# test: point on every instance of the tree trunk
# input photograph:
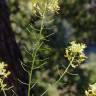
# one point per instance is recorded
(9, 50)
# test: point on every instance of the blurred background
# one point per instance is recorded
(76, 20)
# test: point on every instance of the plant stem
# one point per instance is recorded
(42, 22)
(30, 75)
(4, 93)
(34, 54)
(65, 70)
(3, 89)
(61, 75)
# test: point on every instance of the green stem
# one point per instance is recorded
(65, 70)
(4, 93)
(30, 75)
(33, 62)
(61, 75)
(42, 22)
(3, 89)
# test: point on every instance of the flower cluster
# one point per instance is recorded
(76, 52)
(48, 5)
(91, 91)
(3, 74)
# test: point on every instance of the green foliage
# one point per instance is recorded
(71, 22)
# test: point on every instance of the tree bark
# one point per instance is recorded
(9, 50)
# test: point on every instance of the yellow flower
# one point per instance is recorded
(3, 74)
(91, 91)
(53, 5)
(77, 47)
(3, 70)
(48, 5)
(76, 52)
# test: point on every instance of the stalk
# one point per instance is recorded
(35, 53)
(61, 75)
